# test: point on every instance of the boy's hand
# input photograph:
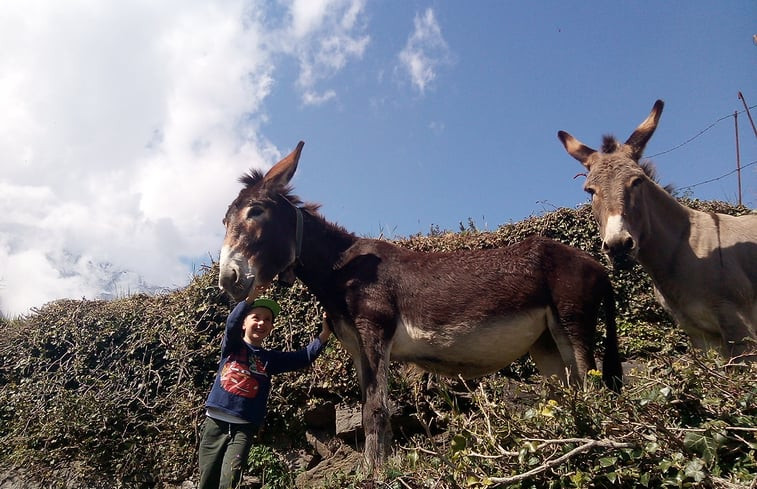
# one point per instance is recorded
(325, 328)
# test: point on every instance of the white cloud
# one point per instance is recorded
(424, 51)
(437, 127)
(326, 35)
(313, 98)
(307, 15)
(125, 126)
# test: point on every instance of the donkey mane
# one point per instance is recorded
(611, 145)
(251, 178)
(255, 177)
(313, 210)
(650, 170)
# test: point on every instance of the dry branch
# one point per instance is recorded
(587, 445)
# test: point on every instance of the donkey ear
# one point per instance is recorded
(638, 140)
(283, 171)
(576, 148)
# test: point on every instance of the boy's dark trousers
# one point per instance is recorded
(223, 452)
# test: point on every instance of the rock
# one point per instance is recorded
(320, 441)
(297, 460)
(321, 416)
(344, 460)
(349, 423)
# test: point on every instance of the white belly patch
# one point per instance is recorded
(469, 350)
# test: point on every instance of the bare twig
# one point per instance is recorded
(588, 444)
(702, 430)
(427, 429)
(493, 457)
(405, 484)
(725, 484)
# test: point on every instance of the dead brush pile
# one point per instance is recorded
(110, 394)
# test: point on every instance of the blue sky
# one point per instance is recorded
(126, 124)
(480, 140)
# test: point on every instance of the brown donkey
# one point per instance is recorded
(703, 265)
(465, 313)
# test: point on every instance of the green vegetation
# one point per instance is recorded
(110, 394)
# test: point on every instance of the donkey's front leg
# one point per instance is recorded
(738, 336)
(375, 367)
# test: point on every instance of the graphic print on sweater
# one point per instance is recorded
(236, 377)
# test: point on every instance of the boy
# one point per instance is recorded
(236, 405)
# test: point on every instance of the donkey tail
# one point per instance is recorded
(612, 370)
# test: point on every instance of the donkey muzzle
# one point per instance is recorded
(621, 251)
(234, 275)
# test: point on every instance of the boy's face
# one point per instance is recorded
(257, 325)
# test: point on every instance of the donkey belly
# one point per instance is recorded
(470, 350)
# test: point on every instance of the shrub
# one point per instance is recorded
(683, 421)
(110, 394)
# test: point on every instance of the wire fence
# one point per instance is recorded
(689, 187)
(698, 135)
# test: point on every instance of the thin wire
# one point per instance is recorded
(717, 178)
(698, 134)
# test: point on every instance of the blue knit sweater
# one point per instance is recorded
(243, 382)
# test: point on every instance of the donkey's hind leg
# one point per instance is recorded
(547, 357)
(737, 330)
(556, 349)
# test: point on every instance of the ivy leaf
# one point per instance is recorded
(607, 461)
(644, 479)
(459, 442)
(578, 478)
(652, 447)
(412, 457)
(693, 470)
(703, 445)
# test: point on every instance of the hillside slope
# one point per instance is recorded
(110, 394)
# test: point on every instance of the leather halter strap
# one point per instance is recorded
(298, 233)
(287, 275)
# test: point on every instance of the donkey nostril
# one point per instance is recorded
(629, 244)
(228, 278)
(618, 247)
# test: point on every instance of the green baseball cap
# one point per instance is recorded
(269, 304)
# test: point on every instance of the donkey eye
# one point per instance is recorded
(636, 182)
(590, 190)
(255, 211)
